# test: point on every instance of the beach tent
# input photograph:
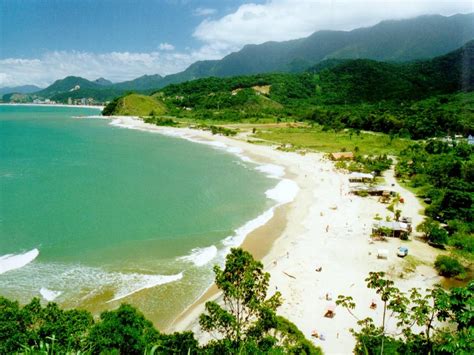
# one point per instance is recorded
(382, 254)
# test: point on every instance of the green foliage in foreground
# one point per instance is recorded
(249, 326)
(248, 316)
(433, 321)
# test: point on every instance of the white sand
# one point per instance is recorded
(343, 251)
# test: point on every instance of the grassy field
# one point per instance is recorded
(139, 105)
(316, 139)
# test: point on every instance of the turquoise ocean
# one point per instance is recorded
(93, 214)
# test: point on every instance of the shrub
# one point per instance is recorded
(448, 266)
(462, 241)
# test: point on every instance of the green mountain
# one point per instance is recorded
(393, 41)
(24, 89)
(418, 99)
(342, 81)
(75, 87)
(145, 82)
(100, 89)
(68, 85)
(401, 40)
(102, 81)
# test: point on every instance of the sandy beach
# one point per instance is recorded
(324, 226)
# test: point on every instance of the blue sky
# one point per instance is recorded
(44, 40)
(32, 27)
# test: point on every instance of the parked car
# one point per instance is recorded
(402, 252)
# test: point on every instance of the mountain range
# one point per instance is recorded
(422, 37)
(24, 89)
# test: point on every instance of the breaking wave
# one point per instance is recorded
(16, 261)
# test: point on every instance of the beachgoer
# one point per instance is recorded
(327, 228)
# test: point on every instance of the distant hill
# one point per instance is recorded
(367, 80)
(401, 40)
(101, 90)
(24, 89)
(333, 82)
(145, 82)
(417, 99)
(75, 87)
(68, 85)
(103, 81)
(390, 41)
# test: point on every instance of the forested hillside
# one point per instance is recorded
(417, 100)
(402, 40)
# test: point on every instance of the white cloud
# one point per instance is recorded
(276, 20)
(202, 11)
(166, 47)
(279, 20)
(115, 66)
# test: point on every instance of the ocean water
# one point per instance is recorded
(93, 214)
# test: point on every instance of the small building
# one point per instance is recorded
(361, 177)
(470, 140)
(342, 156)
(391, 229)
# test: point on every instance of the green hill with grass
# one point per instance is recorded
(135, 105)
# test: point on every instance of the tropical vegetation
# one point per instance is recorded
(432, 321)
(246, 323)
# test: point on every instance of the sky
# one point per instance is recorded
(45, 40)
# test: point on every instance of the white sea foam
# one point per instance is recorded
(201, 256)
(138, 282)
(272, 170)
(284, 192)
(118, 122)
(49, 295)
(15, 261)
(242, 232)
(93, 116)
(235, 150)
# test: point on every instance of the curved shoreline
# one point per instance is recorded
(324, 226)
